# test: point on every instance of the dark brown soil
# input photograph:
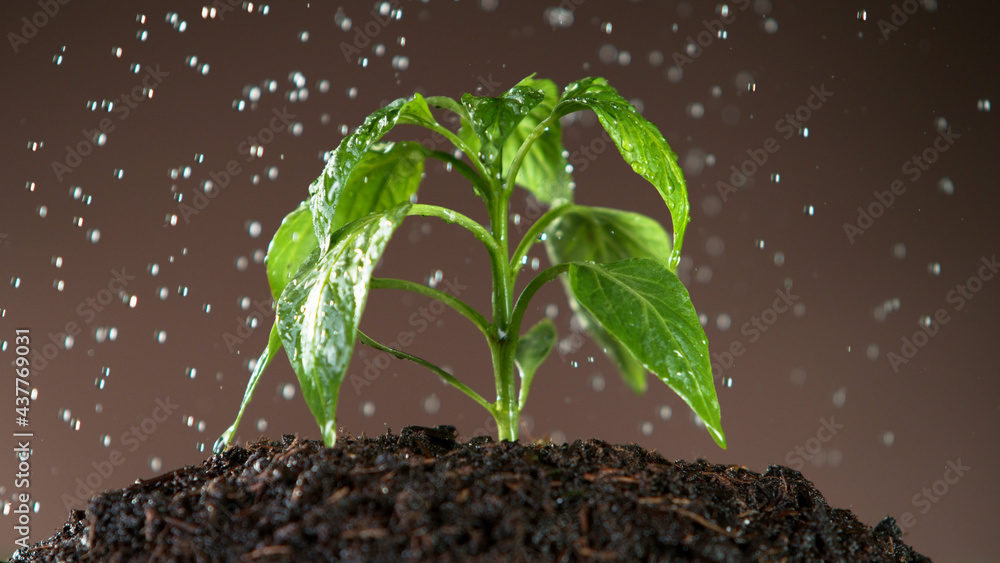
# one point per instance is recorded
(423, 496)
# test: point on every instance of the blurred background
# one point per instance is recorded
(841, 252)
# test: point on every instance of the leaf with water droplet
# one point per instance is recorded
(326, 192)
(647, 309)
(532, 349)
(292, 243)
(598, 234)
(495, 118)
(392, 173)
(318, 317)
(543, 171)
(639, 142)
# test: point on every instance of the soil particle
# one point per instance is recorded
(423, 495)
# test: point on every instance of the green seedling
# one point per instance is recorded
(617, 267)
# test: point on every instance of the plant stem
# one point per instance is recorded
(543, 277)
(503, 342)
(451, 379)
(522, 151)
(452, 301)
(449, 216)
(506, 411)
(533, 234)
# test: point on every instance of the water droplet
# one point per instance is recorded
(432, 404)
(155, 464)
(400, 62)
(597, 382)
(723, 321)
(559, 17)
(872, 352)
(934, 268)
(665, 412)
(840, 397)
(647, 428)
(888, 438)
(288, 391)
(220, 444)
(946, 186)
(368, 409)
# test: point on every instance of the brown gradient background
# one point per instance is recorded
(899, 431)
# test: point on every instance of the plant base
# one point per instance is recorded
(423, 496)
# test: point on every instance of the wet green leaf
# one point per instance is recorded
(640, 143)
(532, 349)
(320, 310)
(602, 235)
(387, 175)
(543, 171)
(494, 119)
(326, 192)
(645, 307)
(292, 243)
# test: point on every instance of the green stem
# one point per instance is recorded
(459, 144)
(522, 151)
(543, 277)
(451, 379)
(507, 410)
(449, 216)
(503, 341)
(533, 234)
(450, 300)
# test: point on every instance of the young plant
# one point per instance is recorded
(617, 267)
